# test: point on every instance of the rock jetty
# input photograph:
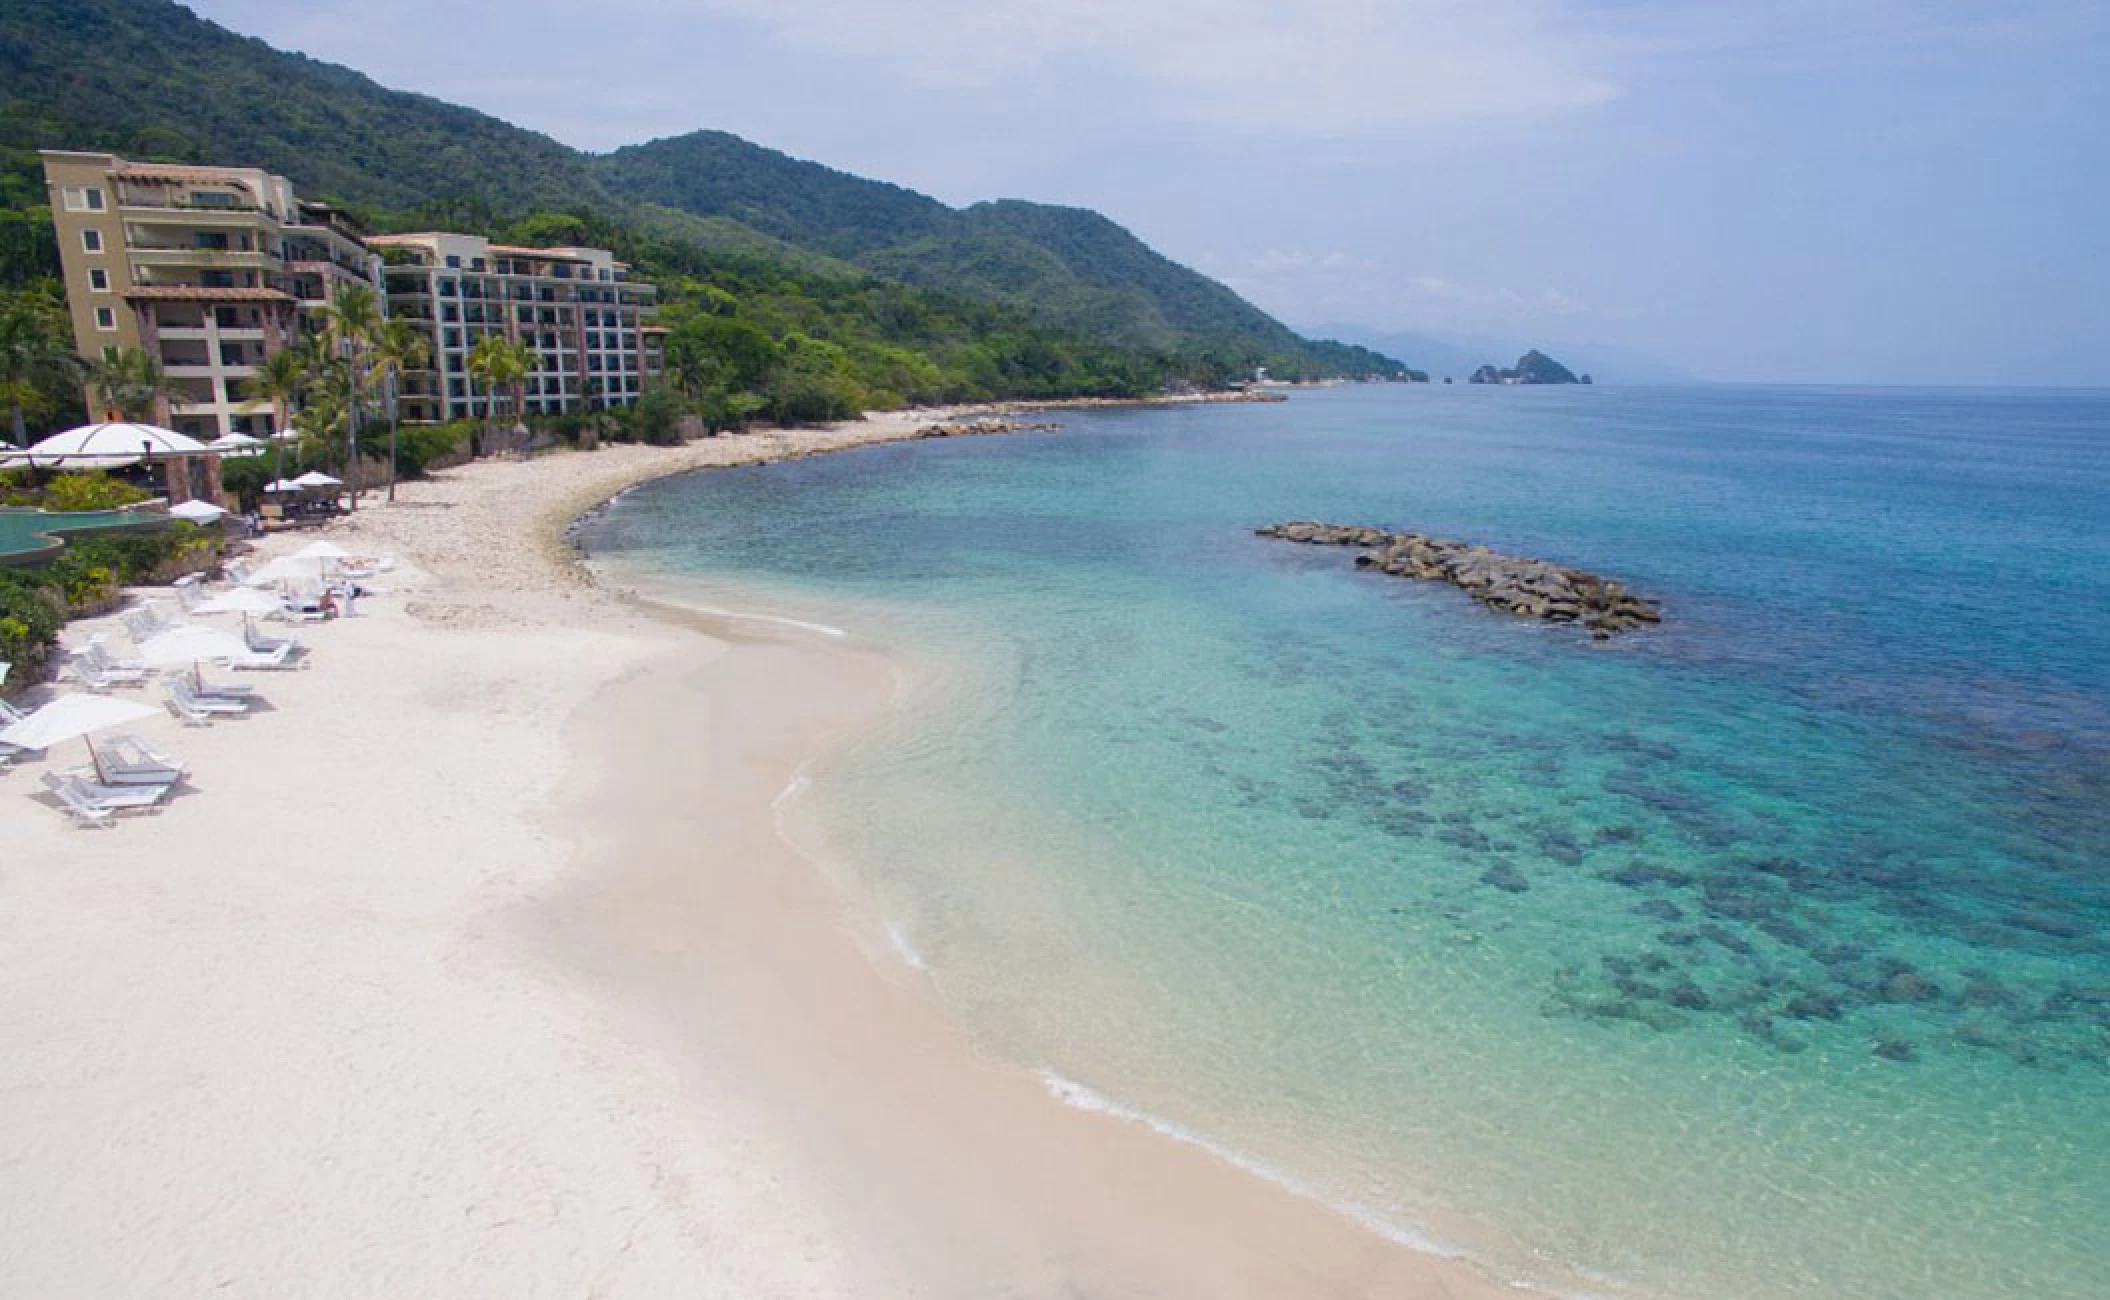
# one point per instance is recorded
(983, 428)
(1525, 587)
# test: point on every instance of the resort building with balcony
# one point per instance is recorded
(207, 269)
(589, 323)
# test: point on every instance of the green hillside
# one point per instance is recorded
(999, 299)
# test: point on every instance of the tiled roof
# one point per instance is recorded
(195, 293)
(180, 175)
(549, 254)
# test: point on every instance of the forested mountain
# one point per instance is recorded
(1073, 268)
(149, 79)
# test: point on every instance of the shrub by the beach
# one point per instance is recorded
(245, 476)
(424, 447)
(655, 417)
(89, 490)
(31, 614)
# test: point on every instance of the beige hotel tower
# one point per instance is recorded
(209, 269)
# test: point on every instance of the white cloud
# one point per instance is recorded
(1346, 286)
(1322, 67)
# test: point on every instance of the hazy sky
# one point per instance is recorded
(1821, 190)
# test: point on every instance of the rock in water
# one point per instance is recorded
(1517, 585)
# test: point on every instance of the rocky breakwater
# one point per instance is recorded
(1525, 587)
(983, 428)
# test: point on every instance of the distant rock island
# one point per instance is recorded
(1534, 367)
(1513, 584)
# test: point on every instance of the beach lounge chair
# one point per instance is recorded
(256, 660)
(262, 642)
(78, 807)
(110, 798)
(9, 716)
(194, 709)
(303, 607)
(100, 643)
(97, 655)
(127, 760)
(206, 690)
(94, 670)
(146, 622)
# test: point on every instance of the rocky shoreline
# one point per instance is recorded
(1526, 587)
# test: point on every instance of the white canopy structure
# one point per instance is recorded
(72, 715)
(321, 550)
(111, 446)
(198, 512)
(315, 478)
(279, 485)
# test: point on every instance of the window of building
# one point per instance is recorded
(91, 241)
(212, 199)
(454, 262)
(106, 318)
(98, 279)
(83, 198)
(111, 351)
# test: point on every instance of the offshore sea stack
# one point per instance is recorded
(1514, 584)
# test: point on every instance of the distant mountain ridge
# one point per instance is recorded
(149, 78)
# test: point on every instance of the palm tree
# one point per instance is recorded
(400, 347)
(282, 380)
(497, 360)
(36, 357)
(129, 381)
(351, 323)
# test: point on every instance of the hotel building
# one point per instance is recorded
(208, 269)
(588, 322)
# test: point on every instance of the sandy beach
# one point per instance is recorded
(475, 965)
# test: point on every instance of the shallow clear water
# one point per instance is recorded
(1764, 955)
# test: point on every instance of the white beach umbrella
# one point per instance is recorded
(285, 568)
(237, 444)
(189, 644)
(69, 716)
(111, 446)
(198, 512)
(286, 435)
(239, 600)
(315, 478)
(321, 550)
(278, 485)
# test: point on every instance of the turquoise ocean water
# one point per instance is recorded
(1766, 955)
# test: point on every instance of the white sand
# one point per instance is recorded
(474, 967)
